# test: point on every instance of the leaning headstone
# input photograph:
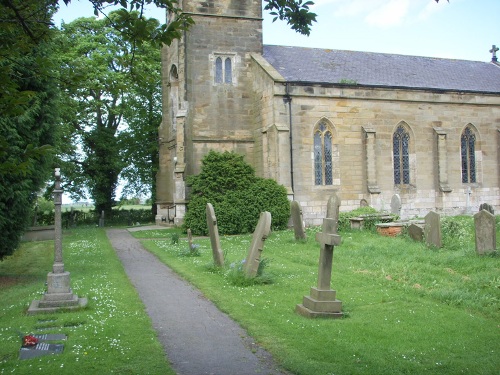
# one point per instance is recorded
(298, 221)
(486, 236)
(333, 209)
(260, 234)
(487, 207)
(322, 302)
(396, 204)
(416, 232)
(432, 229)
(213, 231)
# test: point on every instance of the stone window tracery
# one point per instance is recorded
(468, 150)
(323, 155)
(401, 155)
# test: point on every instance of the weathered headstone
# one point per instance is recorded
(59, 294)
(213, 231)
(486, 236)
(416, 232)
(101, 219)
(432, 229)
(333, 209)
(322, 302)
(396, 204)
(363, 203)
(487, 207)
(260, 234)
(298, 221)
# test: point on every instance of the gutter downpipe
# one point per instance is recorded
(287, 99)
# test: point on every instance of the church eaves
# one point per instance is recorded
(326, 66)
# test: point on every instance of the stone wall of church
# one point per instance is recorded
(350, 111)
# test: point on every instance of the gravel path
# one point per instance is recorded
(197, 337)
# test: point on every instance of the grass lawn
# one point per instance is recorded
(408, 309)
(113, 335)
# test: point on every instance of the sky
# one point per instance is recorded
(459, 29)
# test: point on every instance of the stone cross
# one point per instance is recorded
(486, 236)
(260, 234)
(59, 294)
(322, 301)
(213, 231)
(493, 51)
(298, 221)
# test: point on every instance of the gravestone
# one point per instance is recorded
(213, 231)
(396, 204)
(260, 234)
(486, 236)
(432, 229)
(487, 207)
(101, 219)
(43, 347)
(333, 209)
(363, 203)
(322, 301)
(416, 232)
(298, 221)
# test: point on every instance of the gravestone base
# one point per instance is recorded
(320, 304)
(59, 296)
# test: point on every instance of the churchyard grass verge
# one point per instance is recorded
(112, 335)
(409, 309)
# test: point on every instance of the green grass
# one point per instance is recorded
(112, 335)
(408, 309)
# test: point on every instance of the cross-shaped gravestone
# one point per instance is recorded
(322, 302)
(298, 221)
(213, 231)
(493, 51)
(260, 234)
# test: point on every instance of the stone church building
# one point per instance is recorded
(318, 121)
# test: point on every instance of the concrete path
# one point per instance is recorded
(197, 337)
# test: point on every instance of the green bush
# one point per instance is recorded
(237, 195)
(344, 217)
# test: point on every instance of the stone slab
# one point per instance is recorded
(40, 349)
(50, 337)
(35, 307)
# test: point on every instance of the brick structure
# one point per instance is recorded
(364, 125)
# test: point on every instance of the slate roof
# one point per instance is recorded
(314, 65)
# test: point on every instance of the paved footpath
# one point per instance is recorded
(197, 337)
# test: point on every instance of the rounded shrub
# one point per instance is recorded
(237, 195)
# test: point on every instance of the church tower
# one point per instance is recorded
(207, 100)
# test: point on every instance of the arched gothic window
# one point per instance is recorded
(468, 149)
(218, 70)
(223, 70)
(323, 166)
(401, 153)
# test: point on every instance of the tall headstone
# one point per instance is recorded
(322, 301)
(190, 240)
(432, 229)
(213, 231)
(297, 220)
(396, 204)
(59, 294)
(486, 236)
(101, 219)
(333, 210)
(260, 234)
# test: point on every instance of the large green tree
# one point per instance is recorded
(28, 115)
(107, 92)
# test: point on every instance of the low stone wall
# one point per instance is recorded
(39, 234)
